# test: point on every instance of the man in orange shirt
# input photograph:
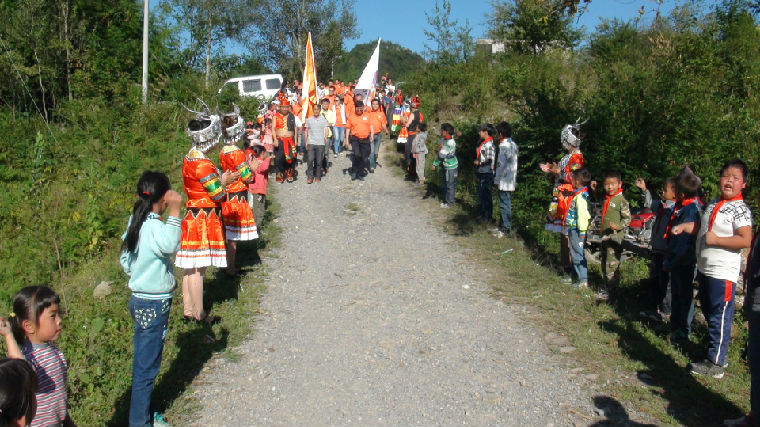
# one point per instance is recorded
(360, 132)
(378, 122)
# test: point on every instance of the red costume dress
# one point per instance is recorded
(239, 223)
(202, 232)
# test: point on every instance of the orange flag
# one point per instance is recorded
(309, 91)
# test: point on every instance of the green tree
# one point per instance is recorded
(449, 41)
(528, 26)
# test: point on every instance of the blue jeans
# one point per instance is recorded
(505, 209)
(339, 136)
(485, 197)
(151, 318)
(577, 253)
(448, 184)
(375, 150)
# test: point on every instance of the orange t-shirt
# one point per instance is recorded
(359, 125)
(377, 119)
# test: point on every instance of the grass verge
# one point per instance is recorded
(97, 332)
(640, 374)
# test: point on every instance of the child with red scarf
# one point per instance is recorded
(485, 162)
(681, 258)
(616, 215)
(726, 229)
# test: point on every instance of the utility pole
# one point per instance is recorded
(146, 14)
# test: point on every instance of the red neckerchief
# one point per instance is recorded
(607, 203)
(572, 196)
(480, 147)
(677, 207)
(717, 207)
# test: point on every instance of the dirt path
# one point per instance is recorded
(374, 319)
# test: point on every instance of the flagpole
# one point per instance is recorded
(145, 52)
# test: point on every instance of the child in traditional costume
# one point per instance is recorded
(202, 242)
(239, 223)
(562, 175)
(284, 127)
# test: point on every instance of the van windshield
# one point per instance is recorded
(253, 85)
(273, 83)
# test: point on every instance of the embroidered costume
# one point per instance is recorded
(569, 163)
(202, 242)
(239, 223)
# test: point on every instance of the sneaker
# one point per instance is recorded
(310, 180)
(159, 421)
(371, 170)
(317, 180)
(445, 205)
(353, 177)
(498, 234)
(567, 280)
(678, 337)
(603, 294)
(335, 155)
(580, 285)
(706, 368)
(360, 178)
(745, 421)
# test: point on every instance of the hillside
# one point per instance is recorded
(396, 60)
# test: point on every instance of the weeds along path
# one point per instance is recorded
(374, 317)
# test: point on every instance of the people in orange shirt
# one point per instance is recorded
(339, 129)
(379, 123)
(360, 132)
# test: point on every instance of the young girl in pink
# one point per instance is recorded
(258, 161)
(268, 140)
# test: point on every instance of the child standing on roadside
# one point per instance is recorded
(616, 215)
(680, 260)
(149, 245)
(726, 229)
(577, 220)
(18, 386)
(419, 152)
(447, 155)
(485, 161)
(258, 161)
(505, 177)
(35, 322)
(658, 278)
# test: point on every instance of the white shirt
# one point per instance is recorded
(722, 263)
(506, 165)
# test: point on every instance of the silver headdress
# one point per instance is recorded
(568, 138)
(206, 138)
(236, 131)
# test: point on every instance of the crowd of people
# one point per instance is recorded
(693, 240)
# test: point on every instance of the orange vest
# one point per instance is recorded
(202, 181)
(232, 159)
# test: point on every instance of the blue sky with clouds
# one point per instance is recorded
(403, 21)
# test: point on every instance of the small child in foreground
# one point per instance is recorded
(35, 323)
(658, 278)
(146, 257)
(726, 229)
(18, 386)
(680, 260)
(616, 215)
(577, 220)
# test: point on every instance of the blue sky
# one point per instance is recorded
(403, 21)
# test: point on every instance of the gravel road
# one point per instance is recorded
(373, 317)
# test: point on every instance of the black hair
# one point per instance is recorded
(423, 127)
(151, 187)
(735, 163)
(324, 100)
(28, 304)
(257, 149)
(18, 386)
(196, 124)
(504, 129)
(613, 174)
(446, 127)
(687, 184)
(583, 175)
(488, 127)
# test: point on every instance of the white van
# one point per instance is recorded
(265, 85)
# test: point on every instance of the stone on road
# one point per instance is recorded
(375, 317)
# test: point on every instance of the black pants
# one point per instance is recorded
(314, 156)
(280, 163)
(360, 160)
(411, 162)
(485, 197)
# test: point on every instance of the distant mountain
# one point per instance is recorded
(395, 60)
